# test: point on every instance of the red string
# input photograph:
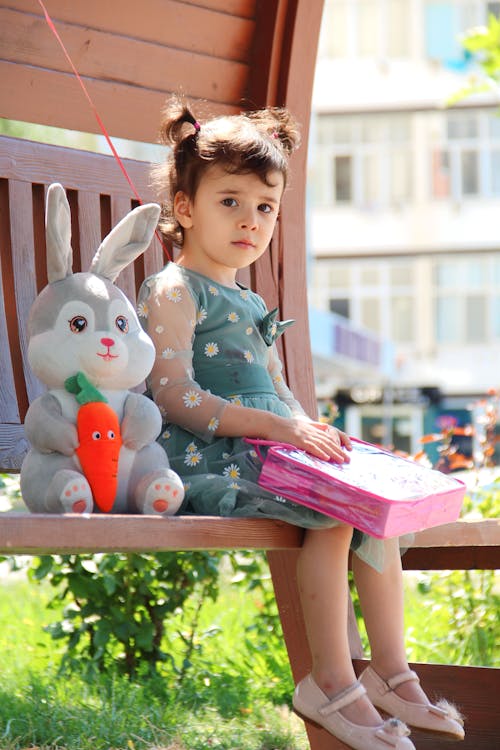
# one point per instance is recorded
(97, 116)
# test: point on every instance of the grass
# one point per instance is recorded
(230, 700)
(215, 708)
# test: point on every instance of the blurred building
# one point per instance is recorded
(405, 208)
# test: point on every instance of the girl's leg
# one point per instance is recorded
(382, 604)
(322, 579)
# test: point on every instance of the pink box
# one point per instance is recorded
(377, 492)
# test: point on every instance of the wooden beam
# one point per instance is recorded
(33, 534)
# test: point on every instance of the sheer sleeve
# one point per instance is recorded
(275, 369)
(168, 313)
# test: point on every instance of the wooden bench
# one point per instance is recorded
(223, 51)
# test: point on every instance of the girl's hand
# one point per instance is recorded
(317, 438)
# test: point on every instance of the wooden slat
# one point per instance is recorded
(21, 228)
(33, 162)
(100, 55)
(244, 8)
(89, 223)
(13, 447)
(25, 533)
(464, 533)
(8, 397)
(220, 32)
(453, 558)
(56, 99)
(119, 208)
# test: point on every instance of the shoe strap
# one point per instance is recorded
(342, 699)
(399, 679)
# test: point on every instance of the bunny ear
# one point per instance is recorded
(58, 234)
(126, 241)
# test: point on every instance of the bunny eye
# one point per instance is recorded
(122, 323)
(78, 324)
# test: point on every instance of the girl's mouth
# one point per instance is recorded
(244, 243)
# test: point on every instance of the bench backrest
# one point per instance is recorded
(230, 53)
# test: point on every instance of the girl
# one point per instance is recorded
(217, 376)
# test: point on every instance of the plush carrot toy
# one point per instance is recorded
(100, 440)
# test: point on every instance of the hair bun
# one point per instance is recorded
(278, 123)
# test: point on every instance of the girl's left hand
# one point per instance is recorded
(337, 436)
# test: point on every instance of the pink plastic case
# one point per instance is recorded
(377, 492)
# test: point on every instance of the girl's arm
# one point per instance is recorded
(301, 431)
(319, 439)
(168, 314)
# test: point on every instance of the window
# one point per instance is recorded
(365, 28)
(402, 328)
(370, 313)
(467, 299)
(475, 319)
(343, 179)
(340, 307)
(364, 161)
(465, 155)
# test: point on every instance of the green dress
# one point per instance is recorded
(215, 345)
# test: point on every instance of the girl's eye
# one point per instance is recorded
(77, 324)
(122, 323)
(230, 202)
(265, 208)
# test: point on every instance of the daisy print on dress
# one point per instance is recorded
(163, 381)
(201, 316)
(159, 329)
(166, 435)
(235, 400)
(244, 294)
(248, 356)
(213, 290)
(211, 349)
(143, 310)
(213, 424)
(249, 331)
(232, 471)
(191, 399)
(174, 295)
(233, 317)
(168, 353)
(193, 458)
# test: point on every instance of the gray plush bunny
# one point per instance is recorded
(87, 346)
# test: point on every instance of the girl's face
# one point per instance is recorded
(229, 223)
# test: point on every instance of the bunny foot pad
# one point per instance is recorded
(161, 495)
(75, 495)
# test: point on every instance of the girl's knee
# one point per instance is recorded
(332, 533)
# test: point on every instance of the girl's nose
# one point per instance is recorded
(248, 220)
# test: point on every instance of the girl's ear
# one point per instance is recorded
(182, 210)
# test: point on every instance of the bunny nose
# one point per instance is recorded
(108, 342)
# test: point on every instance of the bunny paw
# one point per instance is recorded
(70, 492)
(162, 495)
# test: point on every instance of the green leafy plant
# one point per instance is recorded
(116, 606)
(483, 45)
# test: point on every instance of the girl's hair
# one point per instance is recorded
(259, 142)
